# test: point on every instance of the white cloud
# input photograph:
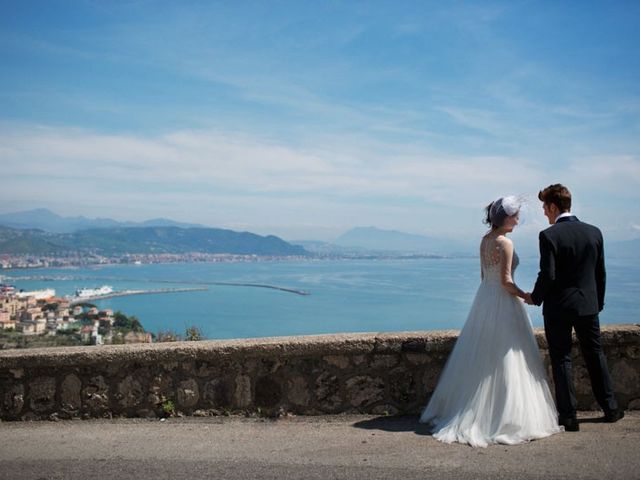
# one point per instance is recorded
(230, 178)
(611, 174)
(249, 164)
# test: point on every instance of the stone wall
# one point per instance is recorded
(314, 375)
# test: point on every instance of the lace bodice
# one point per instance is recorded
(491, 259)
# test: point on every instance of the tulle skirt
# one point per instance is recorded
(493, 388)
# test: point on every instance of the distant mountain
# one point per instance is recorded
(375, 239)
(326, 248)
(49, 221)
(115, 241)
(36, 242)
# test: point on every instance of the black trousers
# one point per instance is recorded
(558, 332)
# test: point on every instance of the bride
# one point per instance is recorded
(493, 388)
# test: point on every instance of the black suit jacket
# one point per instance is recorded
(572, 273)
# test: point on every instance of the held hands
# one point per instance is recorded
(527, 299)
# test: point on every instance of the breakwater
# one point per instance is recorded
(125, 293)
(361, 373)
(261, 285)
(57, 278)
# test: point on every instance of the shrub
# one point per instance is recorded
(167, 336)
(193, 334)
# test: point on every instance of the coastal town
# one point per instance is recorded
(21, 261)
(56, 320)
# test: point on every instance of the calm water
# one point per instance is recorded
(345, 296)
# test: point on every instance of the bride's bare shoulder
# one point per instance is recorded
(504, 241)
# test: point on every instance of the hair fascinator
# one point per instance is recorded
(505, 207)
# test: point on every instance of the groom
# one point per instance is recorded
(571, 284)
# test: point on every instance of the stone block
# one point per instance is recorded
(242, 393)
(414, 346)
(42, 394)
(364, 390)
(95, 395)
(30, 417)
(384, 410)
(632, 352)
(340, 361)
(70, 392)
(111, 369)
(402, 386)
(383, 361)
(159, 387)
(430, 378)
(216, 393)
(202, 413)
(328, 392)
(298, 391)
(387, 346)
(270, 365)
(170, 366)
(417, 358)
(188, 393)
(187, 367)
(250, 366)
(268, 392)
(204, 369)
(581, 380)
(358, 359)
(130, 392)
(626, 379)
(146, 413)
(12, 399)
(305, 365)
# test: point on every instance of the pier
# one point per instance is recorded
(124, 293)
(261, 285)
(148, 280)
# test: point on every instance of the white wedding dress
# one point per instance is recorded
(493, 388)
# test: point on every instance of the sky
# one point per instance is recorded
(307, 118)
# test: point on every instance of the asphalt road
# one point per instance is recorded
(339, 447)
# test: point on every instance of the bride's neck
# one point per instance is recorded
(496, 232)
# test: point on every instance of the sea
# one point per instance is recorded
(369, 295)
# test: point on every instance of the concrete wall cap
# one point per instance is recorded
(295, 346)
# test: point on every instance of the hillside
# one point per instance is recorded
(44, 219)
(115, 241)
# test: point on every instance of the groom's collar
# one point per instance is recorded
(566, 217)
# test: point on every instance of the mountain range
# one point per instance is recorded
(376, 239)
(44, 219)
(373, 239)
(42, 231)
(149, 240)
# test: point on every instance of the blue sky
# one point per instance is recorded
(305, 119)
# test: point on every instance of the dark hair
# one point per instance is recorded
(499, 216)
(557, 195)
(487, 215)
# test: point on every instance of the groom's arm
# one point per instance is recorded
(601, 274)
(547, 274)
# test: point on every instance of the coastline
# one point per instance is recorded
(346, 295)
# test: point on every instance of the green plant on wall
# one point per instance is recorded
(168, 407)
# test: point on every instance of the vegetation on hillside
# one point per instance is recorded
(144, 240)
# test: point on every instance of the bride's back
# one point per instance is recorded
(491, 256)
